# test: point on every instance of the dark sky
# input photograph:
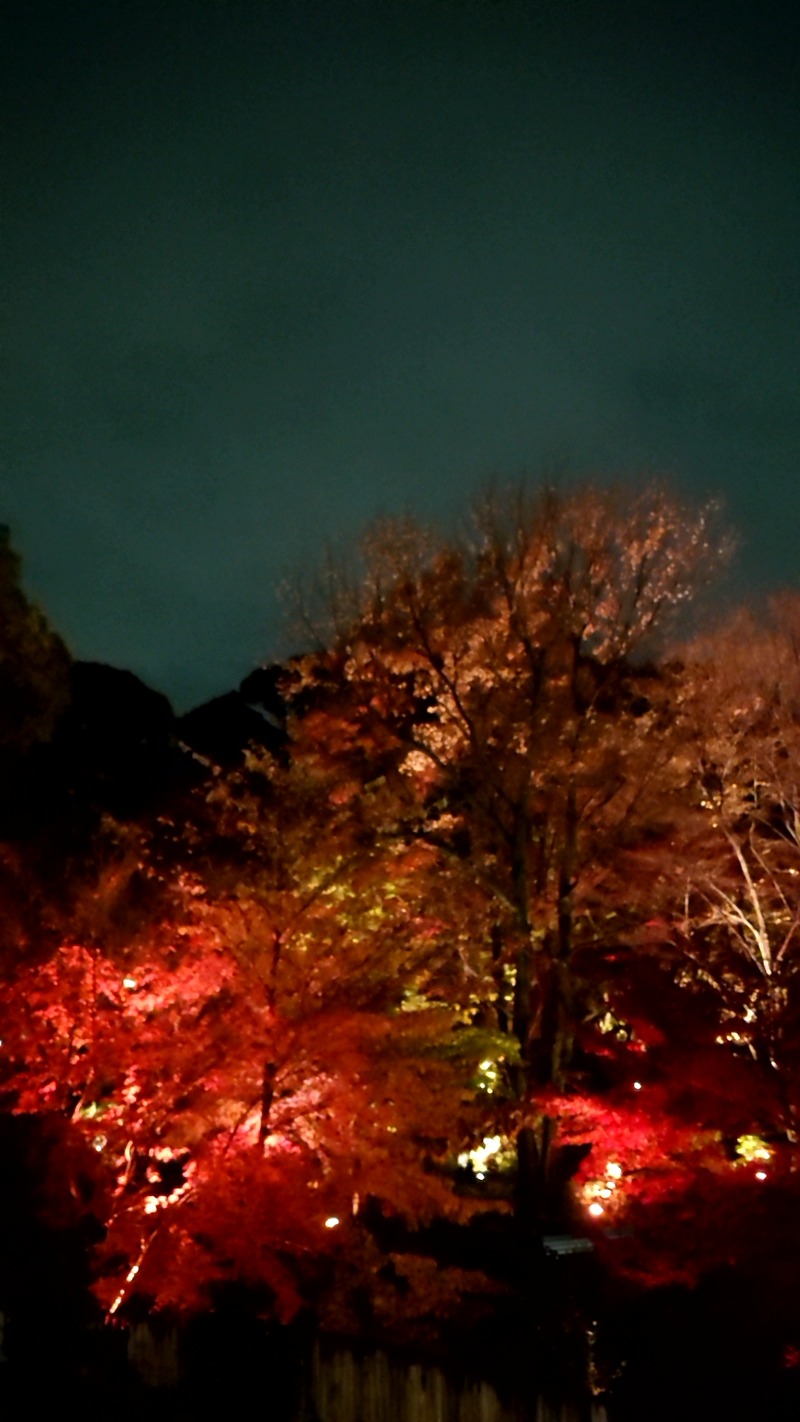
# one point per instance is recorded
(271, 267)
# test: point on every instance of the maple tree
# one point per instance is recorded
(267, 1048)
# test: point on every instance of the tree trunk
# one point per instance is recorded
(546, 1038)
(267, 1093)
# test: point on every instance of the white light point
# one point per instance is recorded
(761, 1175)
(129, 983)
(637, 1086)
(332, 1221)
(614, 1170)
(596, 1210)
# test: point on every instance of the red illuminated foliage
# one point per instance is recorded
(286, 1043)
(512, 884)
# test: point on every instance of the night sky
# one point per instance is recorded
(270, 268)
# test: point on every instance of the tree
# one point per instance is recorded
(737, 927)
(34, 689)
(34, 663)
(252, 1034)
(703, 990)
(498, 687)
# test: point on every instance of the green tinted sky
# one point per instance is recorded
(273, 267)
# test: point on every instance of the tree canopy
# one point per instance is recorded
(501, 923)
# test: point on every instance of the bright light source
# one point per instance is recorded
(150, 1205)
(605, 1194)
(332, 1221)
(491, 1153)
(753, 1148)
(637, 1086)
(596, 1210)
(761, 1175)
(614, 1170)
(129, 983)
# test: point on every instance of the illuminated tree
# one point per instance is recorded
(495, 689)
(269, 1047)
(703, 993)
(738, 927)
